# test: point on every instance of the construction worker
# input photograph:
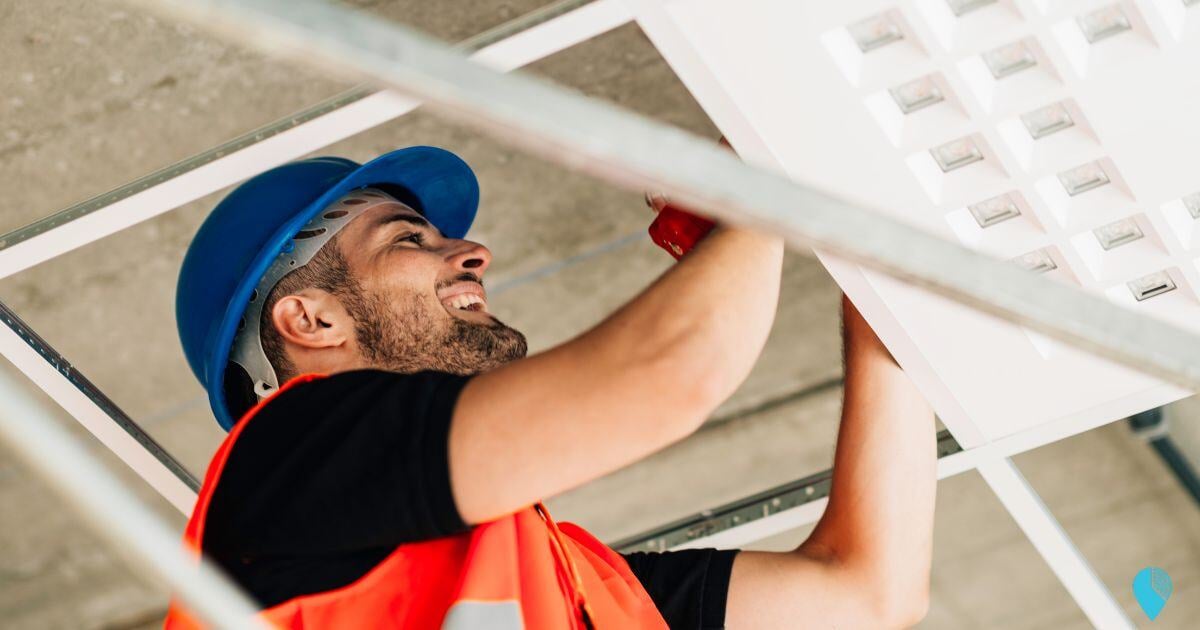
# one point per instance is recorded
(390, 442)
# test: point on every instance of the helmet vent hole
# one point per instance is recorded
(253, 296)
(371, 194)
(241, 324)
(303, 234)
(354, 202)
(336, 214)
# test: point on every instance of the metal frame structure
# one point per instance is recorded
(599, 140)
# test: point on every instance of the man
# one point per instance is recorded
(395, 478)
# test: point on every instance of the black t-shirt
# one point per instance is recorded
(332, 475)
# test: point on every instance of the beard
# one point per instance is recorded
(403, 334)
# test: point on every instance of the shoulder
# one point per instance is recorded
(355, 394)
(340, 440)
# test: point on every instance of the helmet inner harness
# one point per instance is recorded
(247, 350)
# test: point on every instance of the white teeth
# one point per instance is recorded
(463, 301)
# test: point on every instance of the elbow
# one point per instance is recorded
(907, 610)
(901, 601)
(895, 596)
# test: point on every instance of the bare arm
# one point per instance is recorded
(866, 565)
(643, 378)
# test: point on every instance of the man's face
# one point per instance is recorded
(420, 303)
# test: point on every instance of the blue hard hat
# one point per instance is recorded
(257, 221)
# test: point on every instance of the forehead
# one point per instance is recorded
(373, 219)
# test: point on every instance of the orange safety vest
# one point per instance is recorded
(522, 571)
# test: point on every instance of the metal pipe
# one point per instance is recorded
(103, 403)
(788, 496)
(250, 138)
(1151, 426)
(133, 530)
(635, 153)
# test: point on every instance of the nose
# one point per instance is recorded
(470, 256)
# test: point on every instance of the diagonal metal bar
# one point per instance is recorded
(789, 497)
(133, 529)
(329, 121)
(55, 375)
(636, 153)
(1053, 543)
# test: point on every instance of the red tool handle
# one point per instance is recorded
(677, 231)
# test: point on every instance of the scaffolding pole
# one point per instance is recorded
(635, 153)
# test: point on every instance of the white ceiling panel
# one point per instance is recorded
(1059, 134)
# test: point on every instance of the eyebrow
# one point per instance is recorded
(400, 218)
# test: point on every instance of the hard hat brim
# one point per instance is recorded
(443, 184)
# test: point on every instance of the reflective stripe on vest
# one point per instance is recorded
(469, 615)
(520, 572)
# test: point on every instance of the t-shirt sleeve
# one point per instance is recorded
(689, 587)
(339, 465)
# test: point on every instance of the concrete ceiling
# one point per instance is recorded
(93, 95)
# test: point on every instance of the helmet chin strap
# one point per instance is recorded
(247, 350)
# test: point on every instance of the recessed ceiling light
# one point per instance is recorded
(1083, 178)
(875, 32)
(1103, 23)
(962, 7)
(916, 94)
(956, 154)
(995, 210)
(1148, 286)
(1038, 261)
(1009, 59)
(1047, 120)
(1192, 201)
(1118, 233)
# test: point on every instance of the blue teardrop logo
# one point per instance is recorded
(1152, 588)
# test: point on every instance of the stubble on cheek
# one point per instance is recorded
(410, 332)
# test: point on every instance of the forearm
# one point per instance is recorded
(879, 520)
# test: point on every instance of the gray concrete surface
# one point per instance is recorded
(94, 94)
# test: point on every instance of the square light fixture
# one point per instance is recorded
(1148, 286)
(962, 7)
(1037, 261)
(1047, 120)
(916, 94)
(875, 32)
(998, 209)
(1103, 23)
(1192, 201)
(1009, 59)
(1118, 233)
(956, 154)
(1083, 178)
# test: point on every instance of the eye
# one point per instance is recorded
(412, 237)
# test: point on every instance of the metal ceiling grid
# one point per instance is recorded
(1052, 133)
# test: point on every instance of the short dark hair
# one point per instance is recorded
(327, 271)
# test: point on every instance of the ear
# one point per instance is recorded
(312, 319)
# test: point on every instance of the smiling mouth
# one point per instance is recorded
(465, 302)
